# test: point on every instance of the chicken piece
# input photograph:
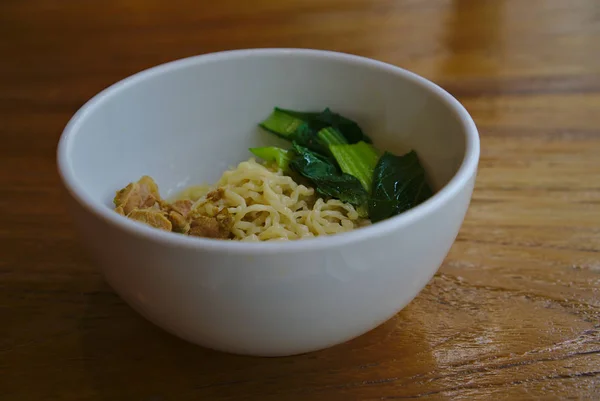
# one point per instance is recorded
(179, 222)
(209, 227)
(137, 195)
(215, 195)
(179, 214)
(225, 219)
(183, 207)
(152, 217)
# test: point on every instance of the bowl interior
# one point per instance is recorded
(186, 122)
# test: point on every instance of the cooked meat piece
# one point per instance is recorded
(141, 201)
(137, 195)
(225, 219)
(183, 207)
(152, 217)
(215, 195)
(209, 227)
(180, 223)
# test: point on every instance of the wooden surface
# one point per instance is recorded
(512, 315)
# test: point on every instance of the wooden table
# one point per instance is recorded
(513, 313)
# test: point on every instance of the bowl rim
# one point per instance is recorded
(461, 178)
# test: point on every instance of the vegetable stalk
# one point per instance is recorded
(358, 159)
(282, 124)
(272, 154)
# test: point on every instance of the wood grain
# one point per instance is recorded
(514, 313)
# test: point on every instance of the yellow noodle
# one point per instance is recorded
(267, 205)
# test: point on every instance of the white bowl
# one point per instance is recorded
(186, 121)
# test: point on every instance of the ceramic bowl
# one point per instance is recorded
(187, 121)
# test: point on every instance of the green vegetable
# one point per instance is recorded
(330, 136)
(286, 123)
(282, 124)
(308, 137)
(276, 155)
(348, 128)
(399, 184)
(358, 160)
(302, 115)
(326, 177)
(318, 141)
(334, 153)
